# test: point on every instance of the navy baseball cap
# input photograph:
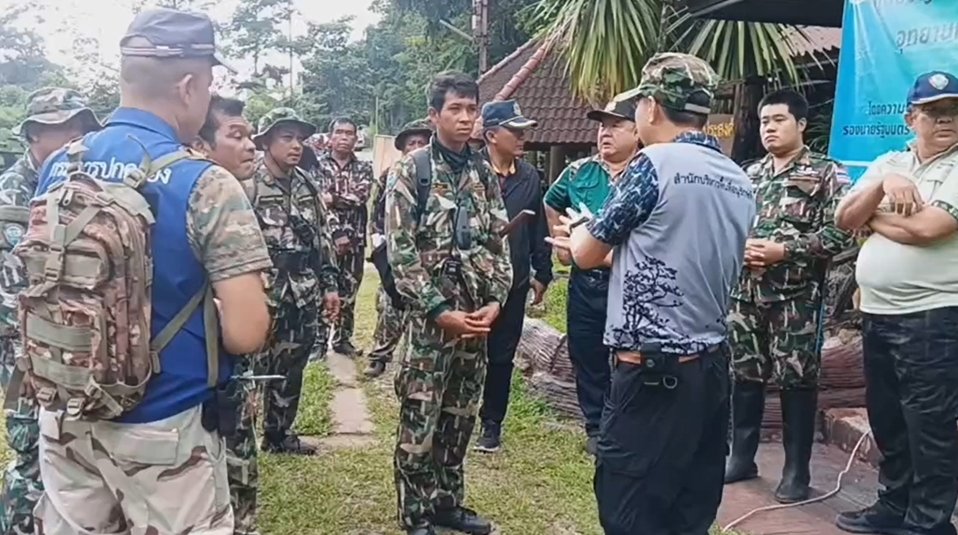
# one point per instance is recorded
(505, 113)
(173, 34)
(932, 87)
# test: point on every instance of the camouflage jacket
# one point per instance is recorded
(295, 225)
(796, 207)
(17, 186)
(377, 223)
(417, 252)
(349, 186)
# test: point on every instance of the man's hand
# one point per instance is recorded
(331, 306)
(483, 318)
(378, 239)
(539, 291)
(763, 253)
(458, 324)
(902, 194)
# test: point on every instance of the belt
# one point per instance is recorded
(636, 357)
(292, 262)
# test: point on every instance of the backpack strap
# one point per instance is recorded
(211, 331)
(423, 180)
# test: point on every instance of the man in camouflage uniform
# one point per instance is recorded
(452, 267)
(777, 307)
(292, 216)
(346, 183)
(389, 321)
(226, 138)
(55, 116)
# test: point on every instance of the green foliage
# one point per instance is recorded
(606, 42)
(254, 28)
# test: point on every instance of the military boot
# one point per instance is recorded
(748, 405)
(427, 530)
(287, 443)
(374, 369)
(462, 519)
(798, 417)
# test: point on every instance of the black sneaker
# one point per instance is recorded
(374, 369)
(490, 441)
(874, 519)
(462, 519)
(427, 530)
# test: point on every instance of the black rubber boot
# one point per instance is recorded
(462, 519)
(799, 408)
(748, 405)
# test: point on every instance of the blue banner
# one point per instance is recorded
(886, 44)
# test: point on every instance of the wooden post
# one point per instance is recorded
(747, 97)
(556, 162)
(480, 28)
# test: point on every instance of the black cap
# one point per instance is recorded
(505, 113)
(172, 34)
(622, 109)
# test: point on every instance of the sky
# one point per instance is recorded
(106, 21)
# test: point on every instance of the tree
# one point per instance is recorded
(607, 42)
(254, 31)
(182, 5)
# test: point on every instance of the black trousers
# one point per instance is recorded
(911, 378)
(585, 325)
(661, 456)
(502, 343)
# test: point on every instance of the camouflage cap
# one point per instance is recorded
(421, 127)
(276, 117)
(56, 105)
(680, 82)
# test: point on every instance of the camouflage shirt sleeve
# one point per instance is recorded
(328, 273)
(413, 281)
(377, 224)
(828, 240)
(16, 191)
(499, 281)
(362, 183)
(222, 227)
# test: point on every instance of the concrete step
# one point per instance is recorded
(845, 427)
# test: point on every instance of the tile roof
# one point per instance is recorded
(535, 76)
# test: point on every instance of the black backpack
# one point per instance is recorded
(423, 187)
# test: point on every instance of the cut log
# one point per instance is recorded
(543, 359)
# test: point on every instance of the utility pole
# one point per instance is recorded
(292, 80)
(480, 29)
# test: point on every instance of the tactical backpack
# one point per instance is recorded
(85, 315)
(378, 257)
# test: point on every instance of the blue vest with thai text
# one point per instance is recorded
(178, 275)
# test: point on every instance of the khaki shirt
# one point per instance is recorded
(903, 279)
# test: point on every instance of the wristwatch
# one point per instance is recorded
(581, 220)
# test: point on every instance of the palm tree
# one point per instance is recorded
(606, 42)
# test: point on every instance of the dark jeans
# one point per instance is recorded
(911, 378)
(502, 343)
(661, 455)
(585, 325)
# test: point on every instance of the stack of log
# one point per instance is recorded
(544, 360)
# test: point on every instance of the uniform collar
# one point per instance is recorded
(502, 173)
(800, 159)
(28, 161)
(697, 137)
(143, 119)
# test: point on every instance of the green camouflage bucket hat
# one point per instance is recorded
(422, 127)
(56, 105)
(680, 82)
(276, 117)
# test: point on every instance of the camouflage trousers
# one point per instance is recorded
(779, 341)
(390, 322)
(242, 467)
(292, 340)
(21, 477)
(439, 385)
(351, 268)
(167, 476)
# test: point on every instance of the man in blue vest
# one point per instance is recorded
(161, 467)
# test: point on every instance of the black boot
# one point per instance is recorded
(462, 519)
(799, 408)
(748, 404)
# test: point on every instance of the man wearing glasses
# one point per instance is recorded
(908, 275)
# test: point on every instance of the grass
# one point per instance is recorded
(541, 483)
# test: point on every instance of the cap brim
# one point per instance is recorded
(936, 98)
(308, 128)
(598, 115)
(631, 94)
(218, 60)
(520, 123)
(55, 118)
